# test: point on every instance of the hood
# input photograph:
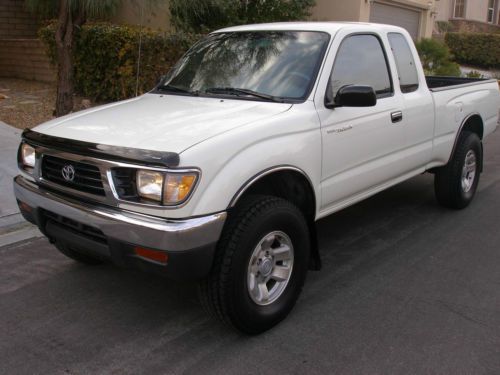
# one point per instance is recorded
(160, 122)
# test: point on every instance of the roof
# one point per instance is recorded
(329, 27)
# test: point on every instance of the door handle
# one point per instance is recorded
(397, 116)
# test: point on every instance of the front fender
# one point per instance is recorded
(229, 161)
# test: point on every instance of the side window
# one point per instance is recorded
(407, 71)
(361, 61)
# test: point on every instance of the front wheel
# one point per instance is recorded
(260, 266)
(456, 183)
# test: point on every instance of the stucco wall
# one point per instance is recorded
(339, 10)
(444, 10)
(156, 17)
(359, 10)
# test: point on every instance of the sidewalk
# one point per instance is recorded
(13, 227)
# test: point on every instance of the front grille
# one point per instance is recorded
(76, 227)
(87, 177)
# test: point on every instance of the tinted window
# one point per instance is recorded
(408, 76)
(278, 63)
(361, 61)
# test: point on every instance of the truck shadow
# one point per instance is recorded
(111, 319)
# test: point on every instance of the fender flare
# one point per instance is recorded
(267, 172)
(460, 129)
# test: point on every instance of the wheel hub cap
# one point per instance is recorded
(266, 267)
(469, 171)
(270, 268)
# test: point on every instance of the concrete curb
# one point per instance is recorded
(17, 233)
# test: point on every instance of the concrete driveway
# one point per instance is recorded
(407, 287)
(9, 142)
(12, 226)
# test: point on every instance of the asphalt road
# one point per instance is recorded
(407, 287)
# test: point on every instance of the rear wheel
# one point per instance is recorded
(456, 183)
(260, 266)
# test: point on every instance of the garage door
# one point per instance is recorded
(393, 15)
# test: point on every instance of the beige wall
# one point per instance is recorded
(155, 16)
(359, 10)
(338, 10)
(444, 10)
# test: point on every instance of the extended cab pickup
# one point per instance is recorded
(221, 171)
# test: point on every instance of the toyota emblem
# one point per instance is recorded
(68, 172)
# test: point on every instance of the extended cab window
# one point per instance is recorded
(407, 71)
(361, 61)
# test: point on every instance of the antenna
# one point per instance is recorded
(140, 50)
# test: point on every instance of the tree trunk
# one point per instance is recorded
(65, 34)
(64, 101)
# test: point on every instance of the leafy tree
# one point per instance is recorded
(71, 15)
(436, 58)
(256, 11)
(200, 16)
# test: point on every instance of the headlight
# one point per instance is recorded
(27, 156)
(150, 184)
(167, 188)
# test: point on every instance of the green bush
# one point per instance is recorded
(478, 49)
(436, 58)
(201, 16)
(444, 26)
(474, 74)
(105, 58)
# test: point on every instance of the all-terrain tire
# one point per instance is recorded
(456, 183)
(226, 293)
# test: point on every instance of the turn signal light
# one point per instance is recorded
(24, 207)
(154, 255)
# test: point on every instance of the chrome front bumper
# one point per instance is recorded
(123, 227)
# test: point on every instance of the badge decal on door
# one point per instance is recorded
(339, 130)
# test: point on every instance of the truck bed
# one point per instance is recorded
(439, 83)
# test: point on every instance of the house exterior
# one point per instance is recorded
(470, 15)
(416, 16)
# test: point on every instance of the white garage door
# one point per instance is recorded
(393, 15)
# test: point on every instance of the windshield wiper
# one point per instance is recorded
(171, 88)
(238, 92)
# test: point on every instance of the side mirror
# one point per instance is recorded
(353, 96)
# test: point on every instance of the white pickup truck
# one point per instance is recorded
(221, 171)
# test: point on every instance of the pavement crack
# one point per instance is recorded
(462, 314)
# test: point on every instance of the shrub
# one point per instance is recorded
(436, 58)
(474, 74)
(105, 57)
(478, 49)
(444, 26)
(200, 16)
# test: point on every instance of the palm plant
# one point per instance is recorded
(71, 15)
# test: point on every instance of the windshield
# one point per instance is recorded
(258, 64)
